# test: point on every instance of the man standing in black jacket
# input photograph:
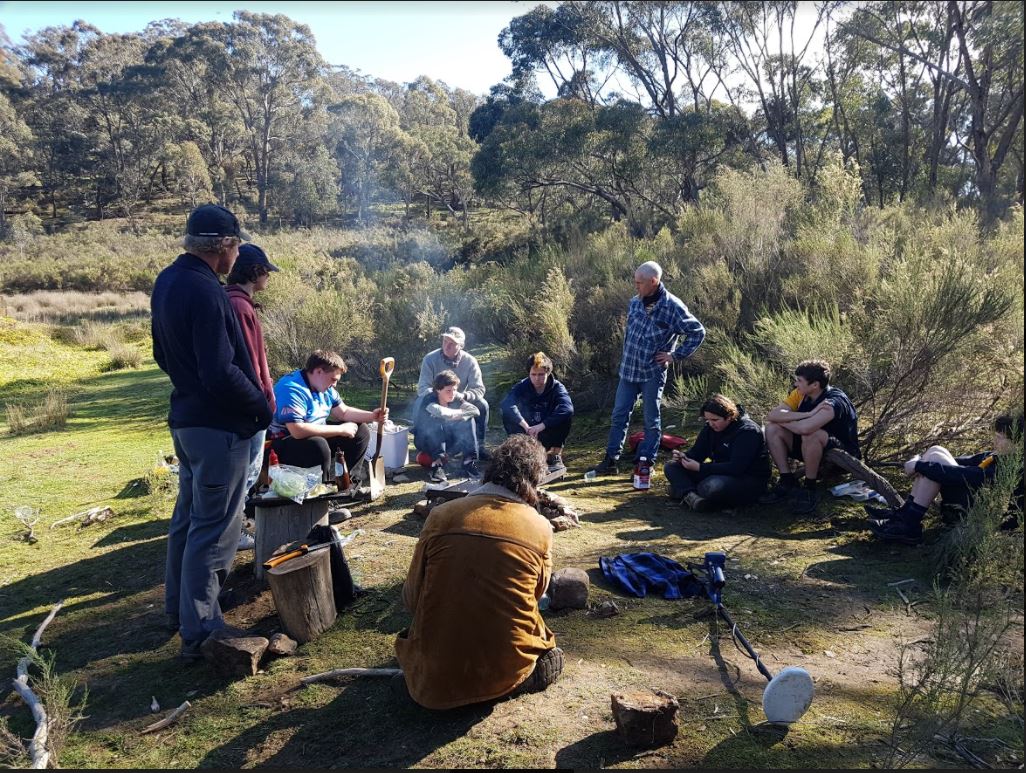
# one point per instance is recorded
(216, 407)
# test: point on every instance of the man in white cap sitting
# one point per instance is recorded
(452, 356)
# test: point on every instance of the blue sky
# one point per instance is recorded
(450, 41)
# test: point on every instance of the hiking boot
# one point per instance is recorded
(695, 502)
(555, 462)
(246, 541)
(608, 466)
(899, 530)
(805, 501)
(547, 669)
(783, 491)
(438, 472)
(470, 468)
(482, 453)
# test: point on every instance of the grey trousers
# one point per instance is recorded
(204, 532)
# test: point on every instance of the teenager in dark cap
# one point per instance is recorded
(250, 275)
(217, 406)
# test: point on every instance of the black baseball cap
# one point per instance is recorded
(251, 255)
(212, 220)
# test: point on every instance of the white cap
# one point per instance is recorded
(456, 335)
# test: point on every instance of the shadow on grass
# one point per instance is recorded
(367, 725)
(136, 532)
(118, 573)
(597, 750)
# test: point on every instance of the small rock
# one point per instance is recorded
(645, 718)
(562, 523)
(154, 706)
(234, 655)
(400, 478)
(569, 589)
(605, 609)
(829, 653)
(422, 508)
(282, 645)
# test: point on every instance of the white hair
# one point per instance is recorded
(650, 270)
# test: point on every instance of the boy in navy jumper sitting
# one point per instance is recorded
(955, 479)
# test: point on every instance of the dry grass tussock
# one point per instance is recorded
(123, 356)
(67, 306)
(49, 414)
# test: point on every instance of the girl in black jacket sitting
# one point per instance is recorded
(728, 464)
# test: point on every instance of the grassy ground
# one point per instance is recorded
(808, 593)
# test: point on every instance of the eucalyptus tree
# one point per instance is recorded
(274, 77)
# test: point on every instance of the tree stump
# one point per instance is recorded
(860, 471)
(645, 718)
(303, 595)
(279, 524)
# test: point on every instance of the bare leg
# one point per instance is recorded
(554, 450)
(924, 490)
(778, 441)
(813, 447)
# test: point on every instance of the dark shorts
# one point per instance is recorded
(795, 452)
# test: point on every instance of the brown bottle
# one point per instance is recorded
(342, 481)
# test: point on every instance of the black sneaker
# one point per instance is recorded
(555, 462)
(608, 466)
(696, 503)
(470, 468)
(779, 493)
(805, 501)
(438, 473)
(899, 530)
(879, 513)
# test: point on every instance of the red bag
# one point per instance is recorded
(666, 442)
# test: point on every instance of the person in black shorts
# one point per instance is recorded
(814, 418)
(956, 479)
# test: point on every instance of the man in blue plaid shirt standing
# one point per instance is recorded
(655, 320)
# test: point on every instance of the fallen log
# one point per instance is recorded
(335, 673)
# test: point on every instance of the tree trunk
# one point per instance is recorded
(303, 595)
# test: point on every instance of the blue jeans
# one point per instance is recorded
(205, 526)
(457, 437)
(627, 392)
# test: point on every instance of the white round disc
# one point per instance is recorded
(788, 696)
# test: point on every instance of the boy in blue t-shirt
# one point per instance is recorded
(300, 433)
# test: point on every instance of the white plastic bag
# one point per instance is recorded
(293, 482)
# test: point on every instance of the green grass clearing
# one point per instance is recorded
(813, 587)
